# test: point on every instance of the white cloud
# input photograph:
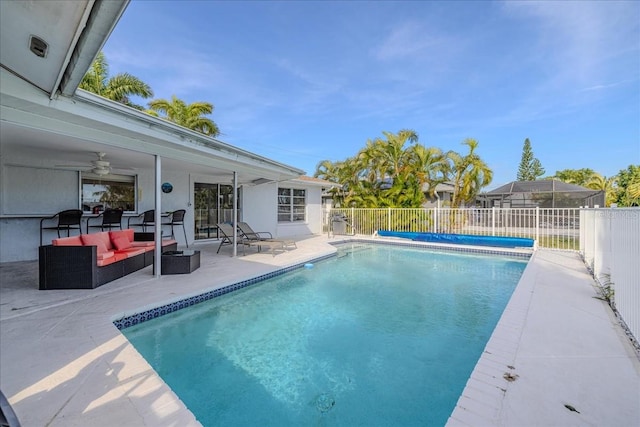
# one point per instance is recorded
(409, 40)
(581, 40)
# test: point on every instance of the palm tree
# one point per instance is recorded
(388, 168)
(186, 115)
(469, 174)
(391, 153)
(429, 166)
(386, 173)
(117, 88)
(602, 183)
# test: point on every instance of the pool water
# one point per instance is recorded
(377, 336)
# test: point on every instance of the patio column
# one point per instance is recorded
(157, 256)
(235, 213)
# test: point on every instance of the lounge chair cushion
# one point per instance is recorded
(94, 240)
(68, 241)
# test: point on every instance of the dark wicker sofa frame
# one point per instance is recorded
(75, 267)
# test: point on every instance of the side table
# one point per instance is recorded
(180, 262)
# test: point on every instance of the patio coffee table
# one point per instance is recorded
(180, 262)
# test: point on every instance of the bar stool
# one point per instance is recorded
(148, 220)
(111, 218)
(70, 219)
(177, 218)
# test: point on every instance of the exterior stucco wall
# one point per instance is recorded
(260, 210)
(20, 231)
(259, 207)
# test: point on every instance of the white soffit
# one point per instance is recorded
(74, 32)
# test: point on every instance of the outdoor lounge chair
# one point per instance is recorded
(227, 237)
(248, 232)
(262, 236)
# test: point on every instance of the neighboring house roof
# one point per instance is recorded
(443, 187)
(540, 186)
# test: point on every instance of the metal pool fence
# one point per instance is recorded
(551, 228)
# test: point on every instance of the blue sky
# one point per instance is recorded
(304, 81)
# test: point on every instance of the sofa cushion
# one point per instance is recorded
(130, 252)
(68, 241)
(167, 242)
(105, 255)
(115, 257)
(143, 244)
(94, 240)
(121, 242)
(128, 233)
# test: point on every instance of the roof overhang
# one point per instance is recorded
(65, 129)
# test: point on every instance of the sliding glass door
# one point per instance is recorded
(213, 204)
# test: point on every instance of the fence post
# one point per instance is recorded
(389, 219)
(537, 224)
(493, 221)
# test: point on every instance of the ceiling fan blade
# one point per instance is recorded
(74, 166)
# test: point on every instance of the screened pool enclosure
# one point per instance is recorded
(544, 193)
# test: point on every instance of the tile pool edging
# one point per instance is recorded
(122, 322)
(125, 321)
(526, 254)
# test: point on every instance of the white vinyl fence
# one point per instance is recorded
(610, 246)
(551, 228)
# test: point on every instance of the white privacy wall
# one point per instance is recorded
(610, 246)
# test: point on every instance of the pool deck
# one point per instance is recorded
(63, 363)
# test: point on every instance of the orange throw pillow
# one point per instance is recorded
(121, 242)
(128, 233)
(94, 240)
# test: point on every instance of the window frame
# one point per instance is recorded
(129, 179)
(286, 206)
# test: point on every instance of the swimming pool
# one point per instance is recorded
(378, 335)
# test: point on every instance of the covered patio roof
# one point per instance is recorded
(45, 116)
(71, 129)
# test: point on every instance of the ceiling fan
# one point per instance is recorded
(97, 167)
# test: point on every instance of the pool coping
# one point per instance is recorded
(530, 351)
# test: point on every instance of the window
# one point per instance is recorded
(292, 205)
(110, 191)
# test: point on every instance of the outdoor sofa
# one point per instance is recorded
(91, 260)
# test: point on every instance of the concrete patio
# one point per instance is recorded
(63, 363)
